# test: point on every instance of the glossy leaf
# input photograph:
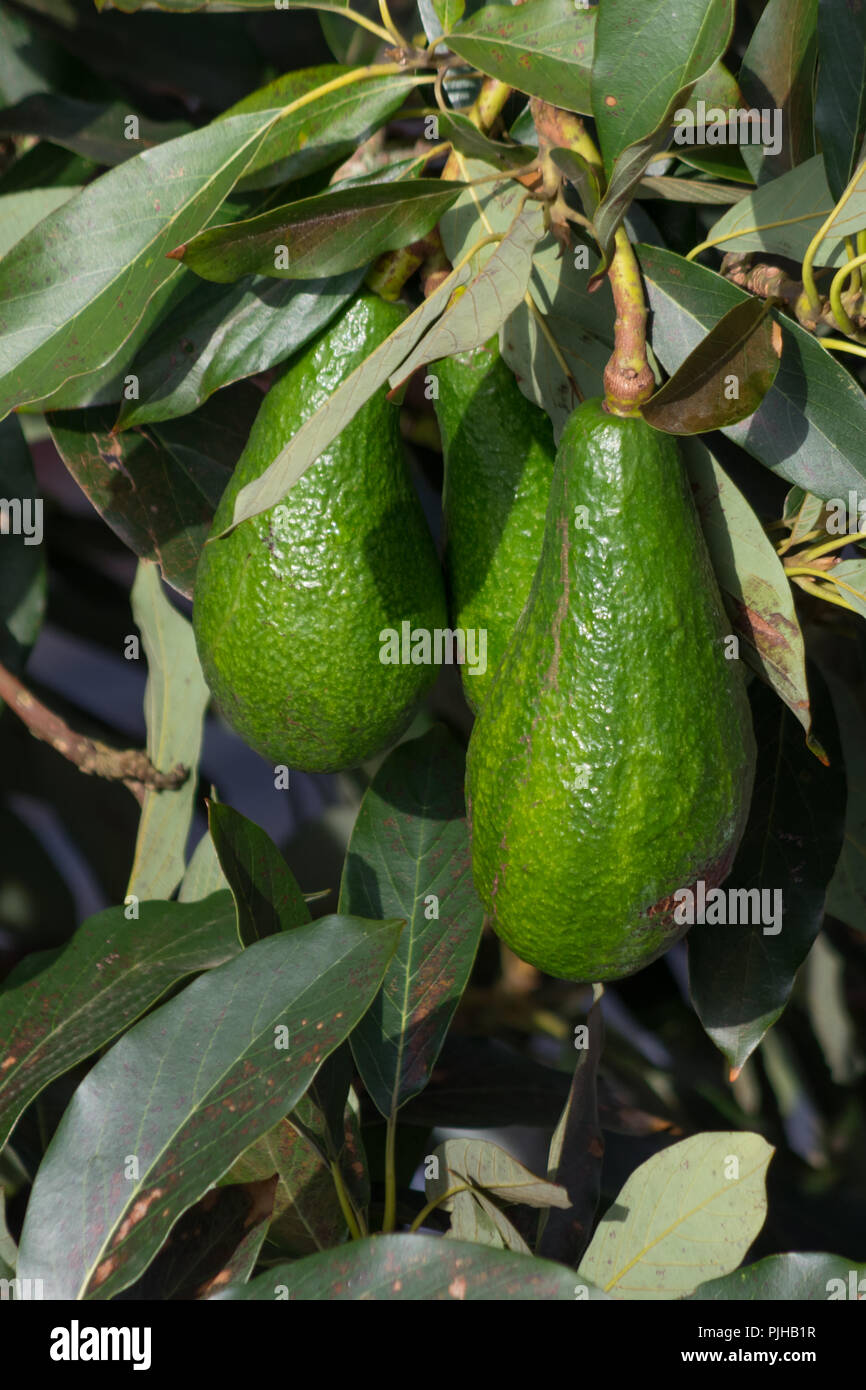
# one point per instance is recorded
(755, 588)
(687, 1214)
(20, 212)
(741, 974)
(266, 895)
(543, 48)
(811, 426)
(626, 106)
(725, 378)
(175, 699)
(840, 90)
(780, 1278)
(325, 235)
(414, 1268)
(158, 489)
(409, 857)
(114, 969)
(221, 333)
(94, 129)
(777, 74)
(71, 298)
(185, 1092)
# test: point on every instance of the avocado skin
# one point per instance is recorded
(288, 609)
(498, 451)
(616, 676)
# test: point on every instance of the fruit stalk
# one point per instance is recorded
(628, 378)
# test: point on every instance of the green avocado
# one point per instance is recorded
(290, 609)
(498, 451)
(612, 762)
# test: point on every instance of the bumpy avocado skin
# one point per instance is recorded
(288, 609)
(498, 450)
(613, 760)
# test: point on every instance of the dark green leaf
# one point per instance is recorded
(415, 1268)
(113, 969)
(263, 886)
(777, 75)
(409, 857)
(473, 143)
(840, 94)
(219, 334)
(810, 1278)
(158, 488)
(543, 48)
(23, 579)
(325, 235)
(725, 378)
(741, 974)
(184, 1093)
(811, 426)
(89, 128)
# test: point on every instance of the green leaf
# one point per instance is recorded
(23, 577)
(20, 212)
(325, 235)
(96, 130)
(686, 1215)
(688, 190)
(113, 970)
(317, 433)
(627, 106)
(486, 303)
(777, 74)
(409, 857)
(221, 333)
(755, 588)
(449, 12)
(417, 1269)
(840, 92)
(846, 896)
(71, 299)
(741, 974)
(184, 1093)
(323, 130)
(781, 217)
(204, 874)
(266, 894)
(744, 347)
(158, 489)
(175, 700)
(486, 1166)
(543, 48)
(8, 1248)
(782, 1278)
(474, 144)
(811, 426)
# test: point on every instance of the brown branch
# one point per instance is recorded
(128, 765)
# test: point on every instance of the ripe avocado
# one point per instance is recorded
(289, 608)
(612, 762)
(498, 450)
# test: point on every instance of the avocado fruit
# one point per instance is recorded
(498, 451)
(290, 607)
(612, 762)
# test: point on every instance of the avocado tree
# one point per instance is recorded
(446, 421)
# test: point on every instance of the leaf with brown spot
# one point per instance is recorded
(408, 857)
(415, 1268)
(188, 1090)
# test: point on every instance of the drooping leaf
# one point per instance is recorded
(158, 488)
(409, 857)
(684, 1216)
(328, 234)
(840, 90)
(184, 1093)
(266, 895)
(725, 378)
(741, 973)
(490, 1168)
(777, 74)
(175, 700)
(811, 426)
(112, 971)
(416, 1268)
(755, 588)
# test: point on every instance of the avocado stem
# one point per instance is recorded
(628, 378)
